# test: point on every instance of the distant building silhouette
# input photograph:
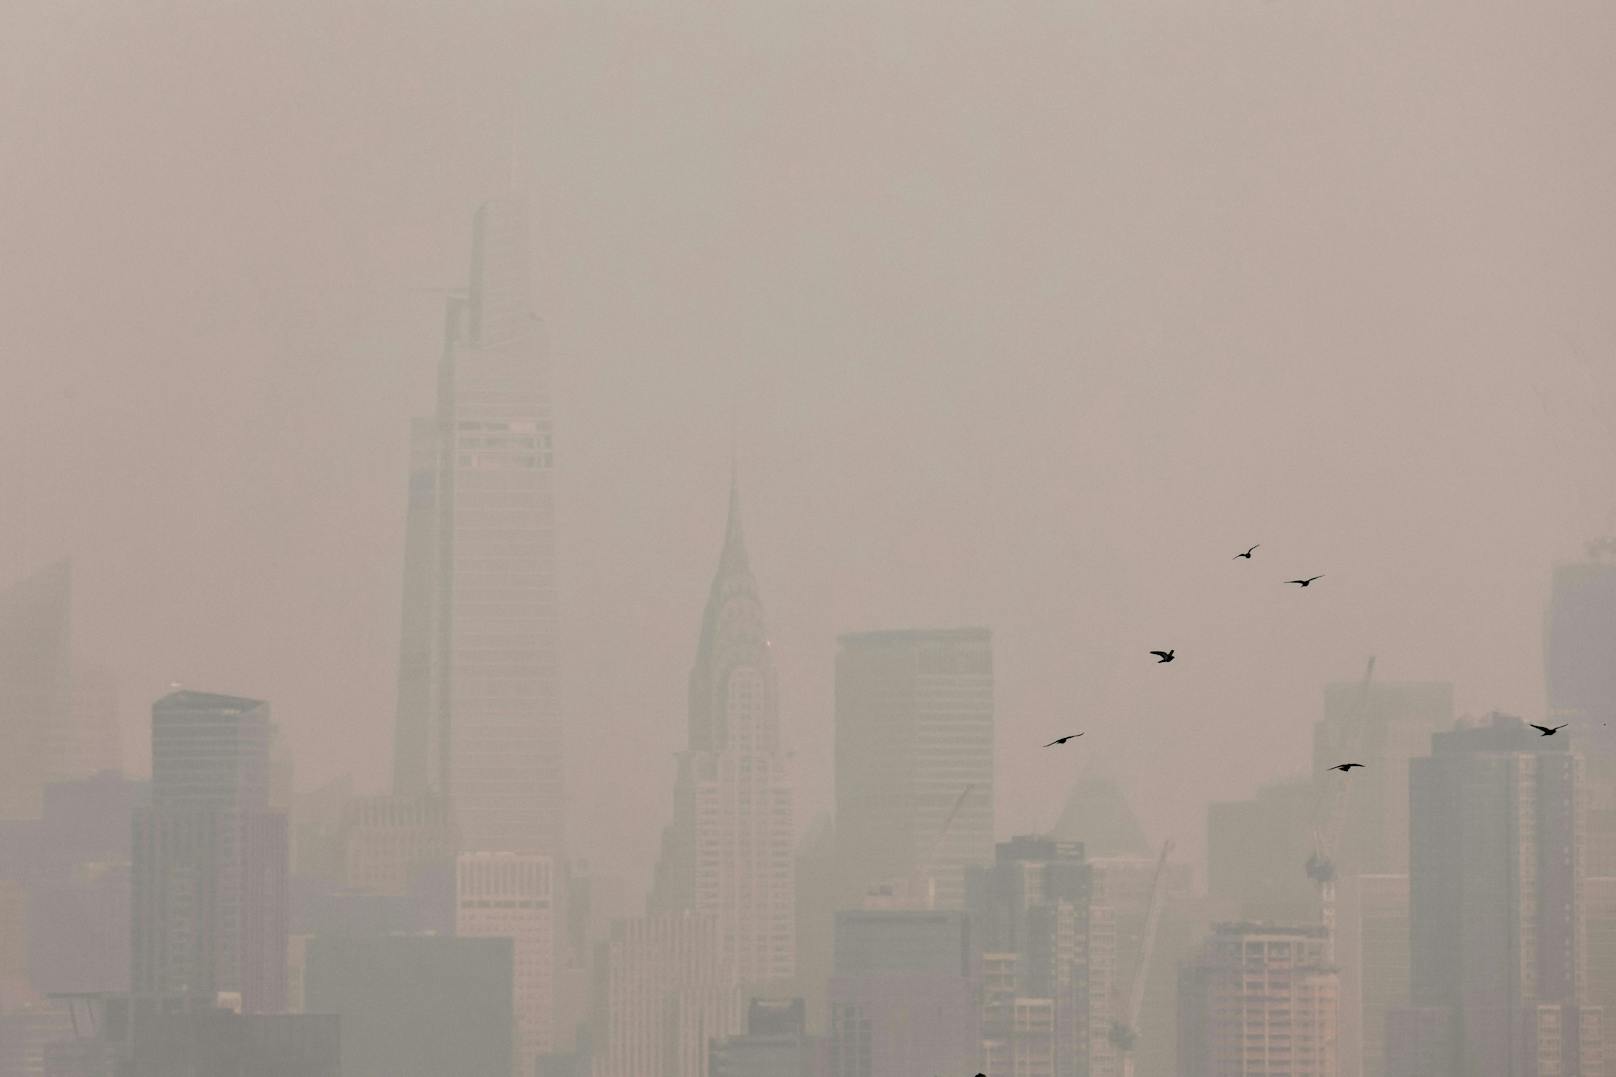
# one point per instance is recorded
(914, 731)
(479, 716)
(1499, 970)
(1579, 648)
(1257, 852)
(730, 848)
(1372, 951)
(35, 685)
(902, 999)
(210, 858)
(1259, 999)
(416, 1005)
(1384, 725)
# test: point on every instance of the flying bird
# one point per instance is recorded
(1246, 555)
(1162, 656)
(1062, 740)
(1307, 581)
(1546, 731)
(1346, 768)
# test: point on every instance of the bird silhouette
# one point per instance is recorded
(1307, 581)
(1246, 555)
(1162, 656)
(1062, 740)
(1546, 731)
(1346, 768)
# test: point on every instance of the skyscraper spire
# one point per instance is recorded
(733, 559)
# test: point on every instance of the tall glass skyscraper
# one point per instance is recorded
(479, 715)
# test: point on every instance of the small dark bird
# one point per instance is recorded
(1246, 555)
(1546, 731)
(1307, 581)
(1346, 768)
(1162, 656)
(1062, 740)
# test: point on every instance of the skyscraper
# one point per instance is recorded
(665, 992)
(35, 684)
(1499, 972)
(914, 757)
(730, 849)
(1032, 908)
(512, 896)
(210, 858)
(1260, 999)
(479, 633)
(1579, 647)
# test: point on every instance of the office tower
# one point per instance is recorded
(902, 1000)
(664, 991)
(413, 725)
(730, 848)
(479, 629)
(210, 859)
(388, 842)
(1382, 724)
(416, 1005)
(914, 757)
(1257, 853)
(1030, 916)
(1599, 896)
(776, 1044)
(512, 895)
(1579, 645)
(1499, 975)
(1120, 894)
(35, 683)
(1259, 999)
(1372, 950)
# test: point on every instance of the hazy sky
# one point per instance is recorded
(1033, 314)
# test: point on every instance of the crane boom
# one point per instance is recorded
(1125, 1031)
(1327, 828)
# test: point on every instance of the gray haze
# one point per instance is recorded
(1030, 316)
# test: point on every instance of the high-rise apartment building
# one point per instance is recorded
(35, 685)
(1499, 952)
(730, 849)
(1260, 999)
(663, 992)
(914, 757)
(1030, 913)
(479, 632)
(1599, 898)
(210, 858)
(512, 895)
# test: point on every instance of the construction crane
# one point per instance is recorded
(1328, 820)
(1124, 1035)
